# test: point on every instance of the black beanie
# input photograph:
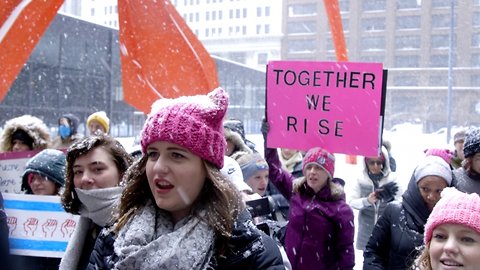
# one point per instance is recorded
(48, 163)
(22, 136)
(472, 142)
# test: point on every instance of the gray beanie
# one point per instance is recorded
(49, 163)
(433, 165)
(472, 142)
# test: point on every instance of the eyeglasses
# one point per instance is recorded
(373, 162)
(36, 177)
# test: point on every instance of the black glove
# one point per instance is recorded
(265, 128)
(387, 192)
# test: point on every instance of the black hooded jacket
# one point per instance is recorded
(398, 234)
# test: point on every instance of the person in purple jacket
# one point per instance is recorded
(320, 232)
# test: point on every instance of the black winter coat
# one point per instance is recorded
(242, 240)
(398, 234)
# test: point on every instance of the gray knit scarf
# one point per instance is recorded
(150, 241)
(99, 204)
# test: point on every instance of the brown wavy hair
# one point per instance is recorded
(121, 158)
(422, 262)
(218, 197)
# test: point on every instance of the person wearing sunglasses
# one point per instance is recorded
(373, 189)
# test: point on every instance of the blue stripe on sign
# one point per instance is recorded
(33, 206)
(16, 243)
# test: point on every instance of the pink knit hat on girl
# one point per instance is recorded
(454, 207)
(193, 122)
(322, 158)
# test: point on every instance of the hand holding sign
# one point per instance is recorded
(68, 227)
(30, 226)
(12, 224)
(49, 227)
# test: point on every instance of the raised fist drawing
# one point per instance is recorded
(30, 226)
(49, 227)
(68, 226)
(12, 224)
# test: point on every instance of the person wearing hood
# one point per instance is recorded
(95, 167)
(235, 137)
(67, 131)
(398, 234)
(24, 133)
(320, 229)
(178, 211)
(372, 190)
(458, 142)
(467, 177)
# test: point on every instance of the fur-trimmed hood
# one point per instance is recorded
(32, 125)
(335, 187)
(237, 140)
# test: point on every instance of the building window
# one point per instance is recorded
(438, 80)
(373, 5)
(302, 10)
(207, 16)
(106, 10)
(344, 5)
(259, 28)
(197, 16)
(301, 46)
(244, 30)
(373, 43)
(220, 15)
(259, 12)
(237, 13)
(476, 40)
(267, 28)
(237, 29)
(373, 58)
(408, 4)
(267, 11)
(219, 31)
(442, 3)
(231, 13)
(214, 15)
(207, 32)
(441, 41)
(405, 81)
(442, 21)
(476, 60)
(373, 24)
(244, 13)
(92, 12)
(408, 22)
(262, 58)
(411, 61)
(440, 60)
(407, 42)
(299, 27)
(476, 18)
(190, 17)
(214, 31)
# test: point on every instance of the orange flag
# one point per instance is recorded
(22, 23)
(336, 27)
(160, 55)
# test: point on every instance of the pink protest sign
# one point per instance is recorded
(335, 105)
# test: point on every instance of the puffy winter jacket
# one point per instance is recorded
(321, 229)
(398, 234)
(243, 239)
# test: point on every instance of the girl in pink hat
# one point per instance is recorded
(452, 233)
(178, 211)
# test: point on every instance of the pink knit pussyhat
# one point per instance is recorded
(193, 122)
(454, 207)
(322, 158)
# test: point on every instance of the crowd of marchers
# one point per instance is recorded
(199, 196)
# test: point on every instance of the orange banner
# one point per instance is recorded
(336, 27)
(338, 38)
(22, 25)
(160, 56)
